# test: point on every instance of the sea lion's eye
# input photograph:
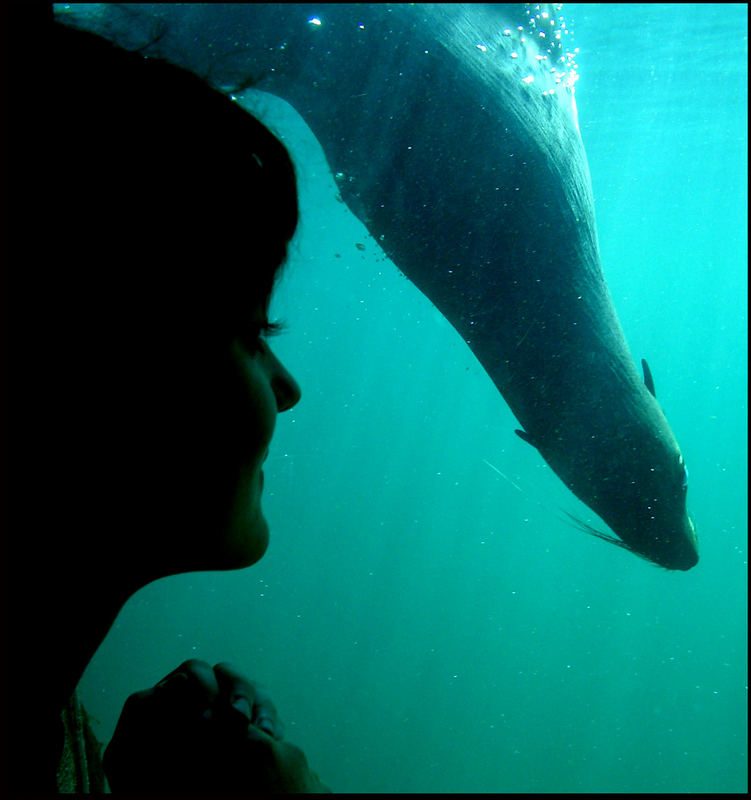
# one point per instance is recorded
(684, 484)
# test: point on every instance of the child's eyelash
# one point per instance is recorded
(273, 328)
(253, 339)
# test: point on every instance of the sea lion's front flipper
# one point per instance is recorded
(648, 380)
(524, 435)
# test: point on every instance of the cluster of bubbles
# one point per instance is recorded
(546, 28)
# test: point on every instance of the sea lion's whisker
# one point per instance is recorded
(495, 469)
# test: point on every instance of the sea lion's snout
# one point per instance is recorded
(687, 560)
(690, 552)
(686, 554)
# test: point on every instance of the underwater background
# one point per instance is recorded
(425, 623)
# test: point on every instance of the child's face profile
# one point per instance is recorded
(263, 388)
(218, 423)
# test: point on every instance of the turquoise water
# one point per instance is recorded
(425, 623)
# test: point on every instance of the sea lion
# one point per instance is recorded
(452, 130)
